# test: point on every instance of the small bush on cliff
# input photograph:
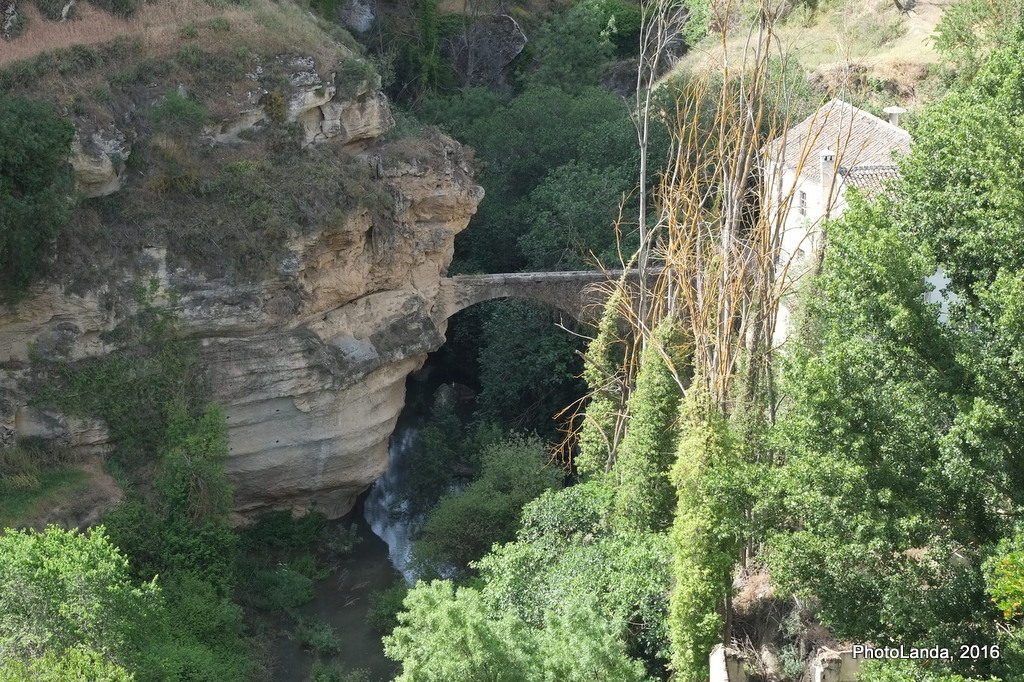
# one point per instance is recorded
(180, 115)
(36, 186)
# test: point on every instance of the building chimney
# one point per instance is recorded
(828, 174)
(894, 114)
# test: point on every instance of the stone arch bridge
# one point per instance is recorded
(578, 293)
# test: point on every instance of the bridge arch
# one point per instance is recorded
(577, 293)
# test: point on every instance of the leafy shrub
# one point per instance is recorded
(100, 92)
(906, 671)
(51, 9)
(318, 636)
(463, 526)
(197, 611)
(135, 526)
(280, 530)
(451, 634)
(60, 590)
(121, 8)
(352, 74)
(79, 663)
(280, 589)
(382, 613)
(219, 25)
(179, 115)
(333, 672)
(622, 22)
(307, 565)
(1004, 573)
(17, 26)
(141, 71)
(276, 106)
(129, 387)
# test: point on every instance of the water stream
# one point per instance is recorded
(377, 563)
(384, 508)
(342, 600)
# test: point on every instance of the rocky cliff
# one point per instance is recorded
(310, 358)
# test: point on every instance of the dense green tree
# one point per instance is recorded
(36, 185)
(704, 536)
(566, 553)
(520, 144)
(870, 471)
(443, 446)
(903, 445)
(907, 671)
(971, 29)
(622, 23)
(1004, 575)
(464, 525)
(450, 634)
(572, 49)
(70, 595)
(644, 497)
(602, 420)
(72, 664)
(529, 367)
(565, 228)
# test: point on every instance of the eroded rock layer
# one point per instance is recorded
(309, 364)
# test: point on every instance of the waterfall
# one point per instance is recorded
(385, 506)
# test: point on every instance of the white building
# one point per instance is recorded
(814, 163)
(811, 167)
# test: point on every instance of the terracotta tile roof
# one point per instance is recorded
(859, 139)
(870, 180)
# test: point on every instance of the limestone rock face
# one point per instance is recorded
(347, 104)
(358, 15)
(98, 162)
(309, 365)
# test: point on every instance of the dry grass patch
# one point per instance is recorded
(867, 41)
(264, 27)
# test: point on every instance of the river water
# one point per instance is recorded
(342, 599)
(379, 561)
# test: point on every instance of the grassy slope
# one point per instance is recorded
(54, 485)
(892, 46)
(261, 25)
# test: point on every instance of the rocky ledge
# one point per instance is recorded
(310, 364)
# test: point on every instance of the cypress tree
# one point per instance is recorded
(644, 496)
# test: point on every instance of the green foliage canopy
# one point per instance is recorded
(644, 498)
(71, 596)
(566, 554)
(704, 535)
(903, 448)
(464, 525)
(36, 185)
(450, 634)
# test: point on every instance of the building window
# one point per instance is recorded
(803, 204)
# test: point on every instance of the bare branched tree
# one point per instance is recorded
(713, 258)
